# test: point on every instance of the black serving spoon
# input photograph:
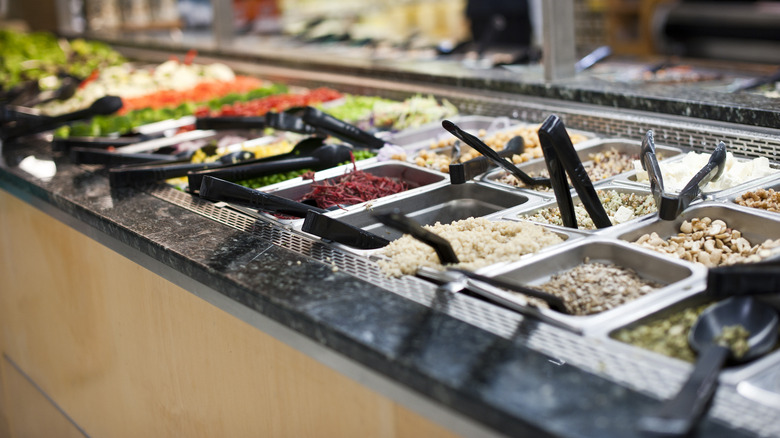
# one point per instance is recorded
(670, 206)
(678, 416)
(491, 153)
(560, 156)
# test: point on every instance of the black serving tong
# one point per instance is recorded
(324, 157)
(329, 125)
(145, 173)
(561, 159)
(326, 227)
(283, 121)
(555, 303)
(745, 279)
(399, 221)
(447, 256)
(66, 90)
(103, 106)
(491, 153)
(79, 155)
(315, 221)
(670, 206)
(463, 172)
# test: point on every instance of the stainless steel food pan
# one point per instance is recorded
(756, 226)
(631, 179)
(422, 137)
(678, 280)
(414, 176)
(516, 213)
(445, 204)
(585, 150)
(758, 378)
(732, 194)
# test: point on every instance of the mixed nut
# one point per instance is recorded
(709, 242)
(761, 198)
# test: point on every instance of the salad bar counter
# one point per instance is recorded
(524, 307)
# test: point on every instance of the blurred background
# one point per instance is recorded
(738, 30)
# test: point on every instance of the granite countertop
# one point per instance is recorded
(497, 381)
(606, 84)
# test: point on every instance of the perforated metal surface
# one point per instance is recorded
(660, 377)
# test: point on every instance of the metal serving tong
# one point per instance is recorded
(561, 158)
(748, 279)
(669, 206)
(315, 221)
(447, 256)
(493, 155)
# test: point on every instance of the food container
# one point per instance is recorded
(759, 375)
(444, 203)
(522, 246)
(754, 225)
(585, 151)
(516, 213)
(678, 280)
(439, 157)
(422, 137)
(416, 177)
(732, 194)
(631, 178)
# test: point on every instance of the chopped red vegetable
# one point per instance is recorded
(353, 188)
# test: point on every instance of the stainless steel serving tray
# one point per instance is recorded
(515, 213)
(510, 126)
(630, 178)
(584, 151)
(732, 194)
(418, 178)
(422, 137)
(756, 226)
(679, 279)
(444, 203)
(754, 372)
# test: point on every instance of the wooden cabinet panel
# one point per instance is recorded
(128, 353)
(30, 414)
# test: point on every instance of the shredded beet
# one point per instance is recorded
(353, 188)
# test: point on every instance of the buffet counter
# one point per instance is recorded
(149, 311)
